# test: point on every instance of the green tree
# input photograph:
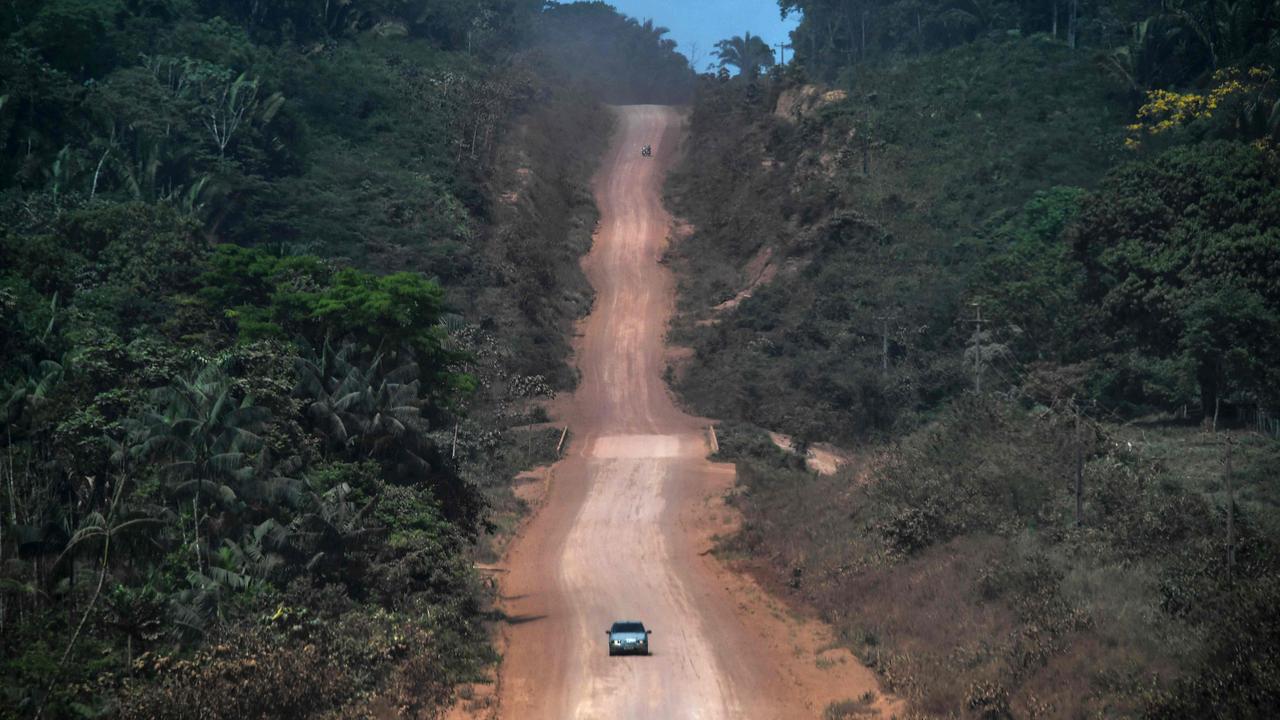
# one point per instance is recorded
(1032, 282)
(374, 410)
(207, 437)
(75, 35)
(1182, 255)
(398, 310)
(746, 52)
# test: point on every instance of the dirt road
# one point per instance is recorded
(624, 530)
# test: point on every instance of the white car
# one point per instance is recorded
(628, 637)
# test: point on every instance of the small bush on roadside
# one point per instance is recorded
(851, 709)
(952, 564)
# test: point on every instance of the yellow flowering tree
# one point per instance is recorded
(1249, 99)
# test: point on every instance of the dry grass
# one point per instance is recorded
(1023, 614)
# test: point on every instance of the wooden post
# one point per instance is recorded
(453, 451)
(560, 444)
(715, 442)
(884, 346)
(1231, 514)
(884, 342)
(1073, 24)
(866, 139)
(862, 43)
(1079, 469)
(977, 321)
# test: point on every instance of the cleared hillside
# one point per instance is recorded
(996, 269)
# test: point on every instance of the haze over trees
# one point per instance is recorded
(1152, 43)
(615, 57)
(274, 298)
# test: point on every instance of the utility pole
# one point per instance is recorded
(782, 52)
(1073, 24)
(977, 321)
(884, 346)
(862, 44)
(866, 147)
(1231, 514)
(866, 139)
(1079, 467)
(884, 341)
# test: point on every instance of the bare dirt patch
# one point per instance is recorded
(822, 458)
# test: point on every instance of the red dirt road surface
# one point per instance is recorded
(625, 528)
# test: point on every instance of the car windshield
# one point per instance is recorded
(628, 627)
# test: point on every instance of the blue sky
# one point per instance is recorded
(706, 22)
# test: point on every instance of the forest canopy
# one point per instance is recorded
(1152, 43)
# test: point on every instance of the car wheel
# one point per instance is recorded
(611, 652)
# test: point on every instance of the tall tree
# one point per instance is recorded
(746, 52)
(208, 436)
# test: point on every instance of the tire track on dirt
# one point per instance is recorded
(630, 512)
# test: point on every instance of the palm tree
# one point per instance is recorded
(373, 409)
(100, 528)
(368, 411)
(21, 400)
(747, 52)
(207, 436)
(1164, 49)
(655, 35)
(970, 18)
(654, 31)
(334, 529)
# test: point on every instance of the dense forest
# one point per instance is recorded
(279, 285)
(282, 285)
(1020, 258)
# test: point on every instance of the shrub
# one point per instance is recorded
(294, 664)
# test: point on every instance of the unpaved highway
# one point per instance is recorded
(625, 526)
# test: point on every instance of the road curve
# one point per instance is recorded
(613, 539)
